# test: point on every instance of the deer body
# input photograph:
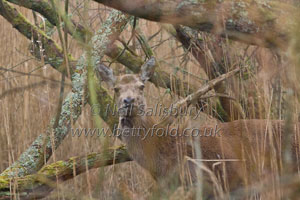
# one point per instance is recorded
(152, 153)
(242, 141)
(245, 143)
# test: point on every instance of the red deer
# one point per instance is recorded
(234, 150)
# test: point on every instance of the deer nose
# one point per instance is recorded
(128, 100)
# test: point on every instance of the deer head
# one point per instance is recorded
(128, 88)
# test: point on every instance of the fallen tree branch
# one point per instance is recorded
(212, 67)
(263, 23)
(160, 78)
(41, 149)
(190, 99)
(31, 32)
(43, 7)
(204, 89)
(40, 184)
(125, 57)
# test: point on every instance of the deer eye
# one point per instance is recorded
(141, 87)
(116, 89)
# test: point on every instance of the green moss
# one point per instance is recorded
(54, 54)
(221, 113)
(54, 168)
(4, 182)
(33, 159)
(91, 158)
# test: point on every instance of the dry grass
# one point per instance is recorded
(27, 103)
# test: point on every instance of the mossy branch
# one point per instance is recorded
(259, 22)
(41, 149)
(54, 55)
(44, 8)
(161, 78)
(40, 184)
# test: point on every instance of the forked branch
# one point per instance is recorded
(190, 99)
(207, 87)
(41, 149)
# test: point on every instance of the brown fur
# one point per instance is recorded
(254, 144)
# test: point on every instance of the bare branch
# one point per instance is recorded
(204, 89)
(200, 92)
(213, 69)
(160, 77)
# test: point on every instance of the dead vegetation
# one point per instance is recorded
(31, 87)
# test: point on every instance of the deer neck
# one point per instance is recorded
(147, 150)
(137, 129)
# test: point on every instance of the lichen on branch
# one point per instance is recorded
(260, 22)
(40, 184)
(41, 149)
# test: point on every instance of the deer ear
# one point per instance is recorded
(147, 69)
(106, 74)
